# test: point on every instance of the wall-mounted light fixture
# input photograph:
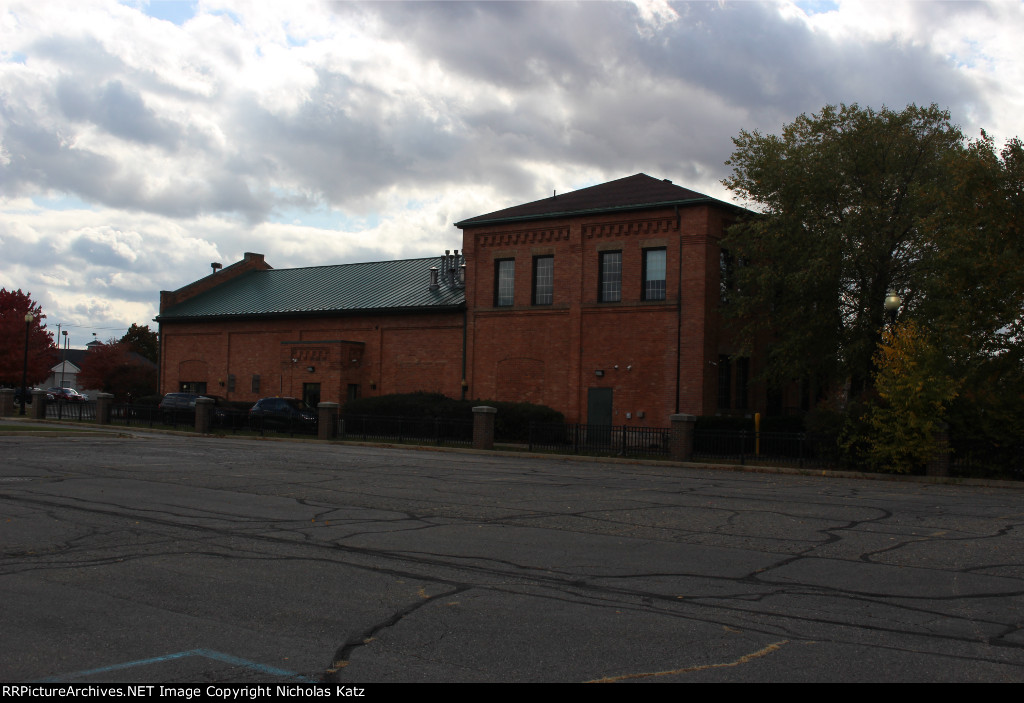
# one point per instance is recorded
(599, 373)
(311, 369)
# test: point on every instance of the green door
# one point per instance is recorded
(599, 406)
(599, 418)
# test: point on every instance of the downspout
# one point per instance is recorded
(679, 306)
(160, 358)
(465, 322)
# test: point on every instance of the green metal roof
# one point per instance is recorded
(382, 286)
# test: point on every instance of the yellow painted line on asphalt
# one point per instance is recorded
(742, 660)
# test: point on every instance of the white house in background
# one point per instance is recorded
(64, 374)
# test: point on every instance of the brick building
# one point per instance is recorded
(602, 303)
(320, 333)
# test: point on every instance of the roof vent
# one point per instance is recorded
(433, 278)
(453, 269)
(216, 266)
(667, 181)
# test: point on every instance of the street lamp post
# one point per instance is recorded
(892, 305)
(63, 357)
(24, 369)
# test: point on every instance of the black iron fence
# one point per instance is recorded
(290, 424)
(733, 446)
(975, 458)
(434, 430)
(120, 413)
(84, 411)
(765, 448)
(137, 415)
(981, 458)
(614, 440)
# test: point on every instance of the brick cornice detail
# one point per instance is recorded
(532, 236)
(600, 230)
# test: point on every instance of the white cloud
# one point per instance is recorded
(328, 132)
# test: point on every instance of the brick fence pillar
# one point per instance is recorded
(938, 465)
(104, 403)
(6, 402)
(204, 415)
(483, 426)
(681, 440)
(38, 405)
(327, 420)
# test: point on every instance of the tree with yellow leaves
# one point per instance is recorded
(914, 392)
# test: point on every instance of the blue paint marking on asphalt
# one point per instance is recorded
(206, 653)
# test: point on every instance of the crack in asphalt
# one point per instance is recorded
(461, 508)
(344, 654)
(548, 578)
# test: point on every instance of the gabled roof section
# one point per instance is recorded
(79, 357)
(383, 286)
(250, 261)
(637, 192)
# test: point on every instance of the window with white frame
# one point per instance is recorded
(609, 284)
(654, 274)
(543, 280)
(504, 282)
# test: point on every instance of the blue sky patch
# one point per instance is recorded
(61, 202)
(817, 7)
(175, 11)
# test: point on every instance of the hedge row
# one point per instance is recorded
(511, 424)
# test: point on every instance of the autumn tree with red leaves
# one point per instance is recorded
(115, 368)
(41, 353)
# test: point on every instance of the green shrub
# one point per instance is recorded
(511, 424)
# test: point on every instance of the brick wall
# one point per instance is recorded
(381, 354)
(658, 357)
(553, 353)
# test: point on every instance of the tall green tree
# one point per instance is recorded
(143, 341)
(973, 282)
(973, 291)
(845, 198)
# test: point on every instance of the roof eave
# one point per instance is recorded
(422, 309)
(474, 222)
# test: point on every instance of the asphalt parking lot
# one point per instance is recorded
(184, 559)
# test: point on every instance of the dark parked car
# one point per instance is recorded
(177, 408)
(28, 396)
(286, 413)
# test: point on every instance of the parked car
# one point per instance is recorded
(181, 408)
(287, 413)
(28, 396)
(67, 395)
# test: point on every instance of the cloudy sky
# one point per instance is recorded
(139, 141)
